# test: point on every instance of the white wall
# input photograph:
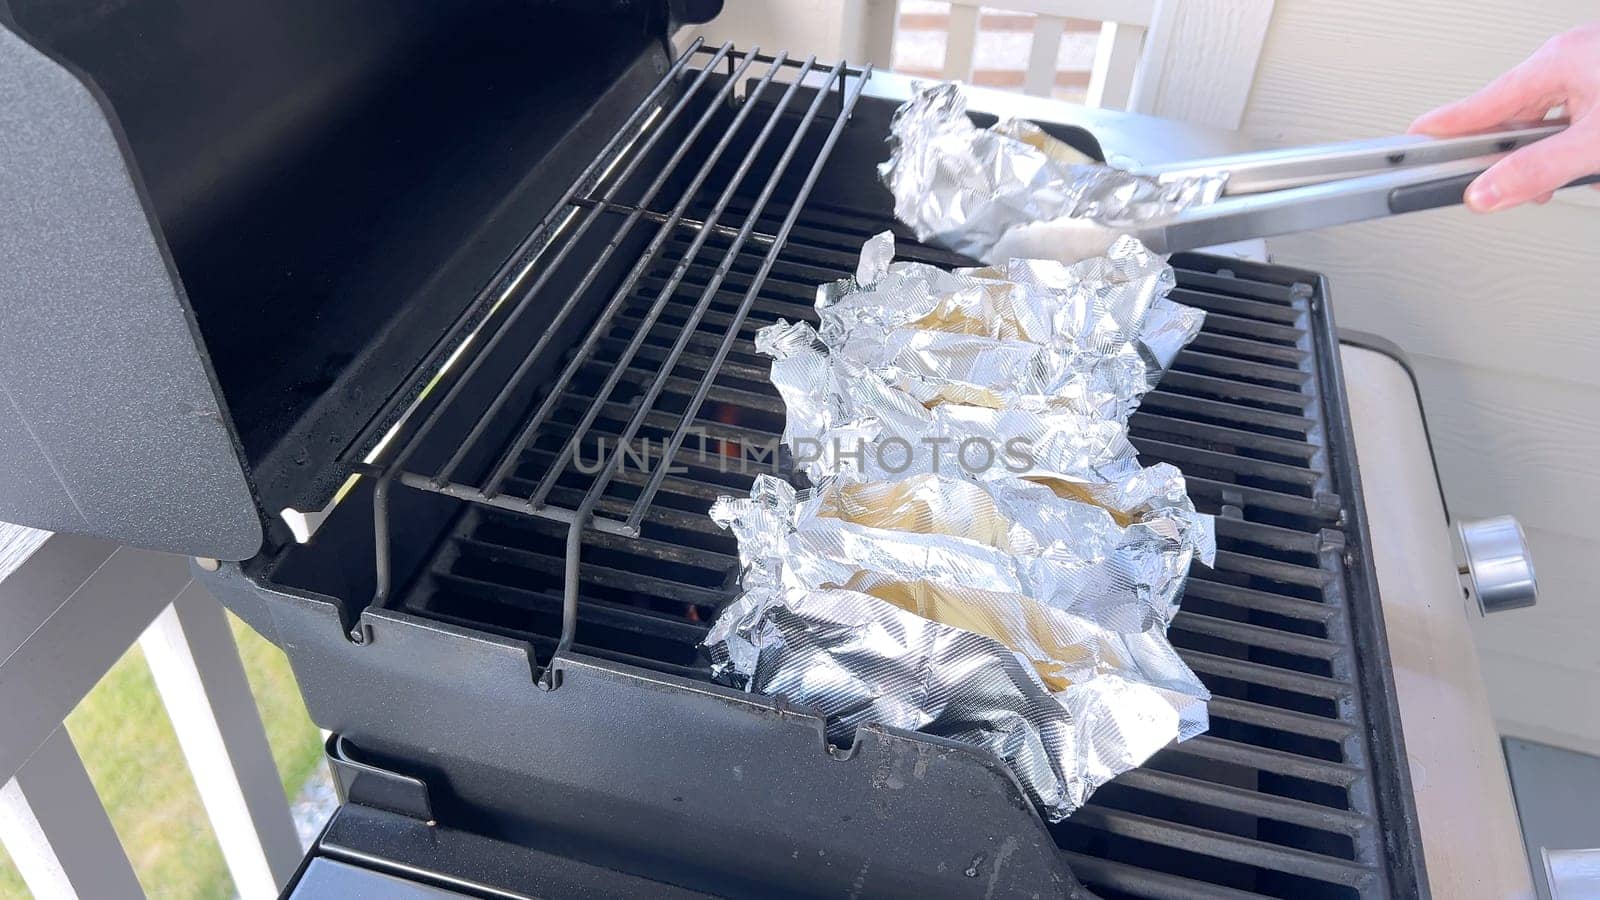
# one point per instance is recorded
(1500, 314)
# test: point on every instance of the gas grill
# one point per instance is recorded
(497, 611)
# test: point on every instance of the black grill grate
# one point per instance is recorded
(1276, 799)
(1281, 798)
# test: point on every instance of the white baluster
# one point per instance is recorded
(202, 682)
(1116, 64)
(961, 43)
(55, 828)
(1040, 80)
(878, 20)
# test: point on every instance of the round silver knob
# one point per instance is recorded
(1499, 570)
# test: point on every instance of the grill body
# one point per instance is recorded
(440, 667)
(404, 270)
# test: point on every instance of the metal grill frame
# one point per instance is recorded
(460, 721)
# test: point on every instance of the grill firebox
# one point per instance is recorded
(738, 187)
(1280, 798)
(1276, 799)
(504, 635)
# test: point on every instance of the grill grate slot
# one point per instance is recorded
(1277, 800)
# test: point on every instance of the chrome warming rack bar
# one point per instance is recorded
(776, 102)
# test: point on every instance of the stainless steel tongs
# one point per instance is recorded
(1303, 188)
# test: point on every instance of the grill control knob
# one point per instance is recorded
(1499, 571)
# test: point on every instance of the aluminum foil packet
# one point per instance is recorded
(994, 613)
(845, 418)
(1031, 368)
(1117, 556)
(982, 556)
(1096, 335)
(967, 188)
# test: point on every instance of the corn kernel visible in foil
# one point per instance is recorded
(1095, 335)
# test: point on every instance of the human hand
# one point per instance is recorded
(1566, 70)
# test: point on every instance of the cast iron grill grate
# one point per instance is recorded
(1278, 799)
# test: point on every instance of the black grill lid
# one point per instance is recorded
(233, 230)
(109, 424)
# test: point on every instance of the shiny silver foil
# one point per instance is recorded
(1116, 555)
(1094, 336)
(1031, 368)
(846, 418)
(983, 557)
(944, 605)
(966, 187)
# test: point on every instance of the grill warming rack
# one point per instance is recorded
(607, 191)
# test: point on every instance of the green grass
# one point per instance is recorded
(127, 743)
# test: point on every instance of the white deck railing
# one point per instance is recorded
(1116, 61)
(1192, 60)
(70, 607)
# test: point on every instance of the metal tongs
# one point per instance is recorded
(1304, 188)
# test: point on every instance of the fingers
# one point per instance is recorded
(1534, 85)
(1538, 169)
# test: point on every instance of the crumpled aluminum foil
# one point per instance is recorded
(1094, 335)
(1017, 601)
(937, 603)
(844, 418)
(966, 188)
(1116, 555)
(1030, 368)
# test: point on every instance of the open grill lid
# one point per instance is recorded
(235, 231)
